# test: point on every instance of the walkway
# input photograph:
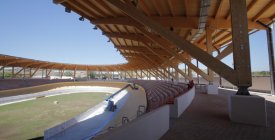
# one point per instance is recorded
(207, 119)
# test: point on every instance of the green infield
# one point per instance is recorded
(29, 119)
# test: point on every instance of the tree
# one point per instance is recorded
(92, 75)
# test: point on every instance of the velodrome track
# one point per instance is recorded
(154, 95)
(32, 88)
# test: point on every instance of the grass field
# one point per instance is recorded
(29, 119)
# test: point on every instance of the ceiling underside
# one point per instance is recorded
(181, 17)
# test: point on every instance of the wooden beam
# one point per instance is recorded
(92, 7)
(129, 74)
(157, 6)
(267, 6)
(169, 61)
(218, 11)
(172, 4)
(177, 22)
(209, 47)
(228, 50)
(144, 73)
(186, 8)
(153, 62)
(240, 43)
(152, 73)
(138, 74)
(79, 10)
(34, 72)
(251, 5)
(161, 74)
(18, 72)
(141, 49)
(59, 1)
(163, 44)
(48, 73)
(225, 24)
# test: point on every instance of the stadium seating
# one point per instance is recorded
(159, 93)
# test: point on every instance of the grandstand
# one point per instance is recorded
(155, 37)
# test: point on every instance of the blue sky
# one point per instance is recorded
(41, 30)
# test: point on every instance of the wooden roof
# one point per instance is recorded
(179, 16)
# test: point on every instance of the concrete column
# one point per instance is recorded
(198, 77)
(12, 72)
(30, 74)
(177, 76)
(190, 70)
(185, 71)
(113, 75)
(24, 72)
(42, 73)
(46, 73)
(74, 73)
(141, 74)
(87, 74)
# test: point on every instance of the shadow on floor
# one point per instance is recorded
(207, 119)
(37, 138)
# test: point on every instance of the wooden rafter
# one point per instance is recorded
(177, 22)
(267, 6)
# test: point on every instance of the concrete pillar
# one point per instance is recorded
(198, 77)
(190, 70)
(46, 73)
(24, 73)
(177, 76)
(30, 74)
(74, 73)
(12, 72)
(42, 73)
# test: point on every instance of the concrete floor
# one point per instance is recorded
(207, 119)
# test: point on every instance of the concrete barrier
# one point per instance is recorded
(89, 123)
(212, 89)
(54, 92)
(35, 89)
(150, 126)
(181, 103)
(17, 95)
(79, 118)
(247, 109)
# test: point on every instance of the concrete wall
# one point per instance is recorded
(35, 89)
(181, 103)
(97, 120)
(57, 91)
(227, 91)
(150, 126)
